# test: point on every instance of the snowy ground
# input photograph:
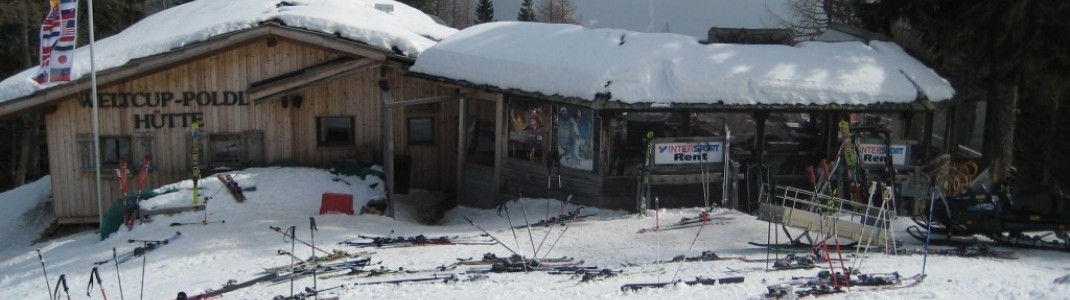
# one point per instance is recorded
(207, 256)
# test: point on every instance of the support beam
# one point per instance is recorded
(303, 79)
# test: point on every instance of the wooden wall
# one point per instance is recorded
(289, 133)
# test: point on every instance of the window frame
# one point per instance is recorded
(321, 135)
(409, 135)
(213, 152)
(104, 155)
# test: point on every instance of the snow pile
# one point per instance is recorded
(207, 256)
(633, 67)
(25, 207)
(405, 28)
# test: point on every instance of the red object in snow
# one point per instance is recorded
(335, 202)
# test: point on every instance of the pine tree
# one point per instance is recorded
(527, 12)
(557, 11)
(484, 11)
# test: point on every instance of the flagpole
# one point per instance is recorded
(96, 119)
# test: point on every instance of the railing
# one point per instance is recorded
(854, 220)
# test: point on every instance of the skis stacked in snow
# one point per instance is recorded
(123, 176)
(974, 250)
(384, 271)
(708, 255)
(828, 283)
(703, 218)
(334, 256)
(148, 245)
(230, 286)
(232, 186)
(133, 212)
(419, 240)
(698, 281)
(491, 258)
(572, 216)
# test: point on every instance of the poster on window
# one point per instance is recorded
(574, 142)
(526, 125)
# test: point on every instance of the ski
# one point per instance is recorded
(139, 251)
(309, 293)
(232, 186)
(230, 286)
(195, 160)
(643, 192)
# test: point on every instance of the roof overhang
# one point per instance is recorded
(155, 63)
(605, 102)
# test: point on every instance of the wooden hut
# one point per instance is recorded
(264, 94)
(574, 106)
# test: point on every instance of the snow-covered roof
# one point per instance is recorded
(665, 68)
(405, 28)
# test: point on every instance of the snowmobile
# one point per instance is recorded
(1031, 216)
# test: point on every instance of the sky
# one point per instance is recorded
(207, 256)
(688, 17)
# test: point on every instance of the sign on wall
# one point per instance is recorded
(574, 137)
(688, 152)
(163, 101)
(874, 154)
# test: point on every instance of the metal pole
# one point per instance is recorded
(96, 119)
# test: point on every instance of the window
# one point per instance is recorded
(225, 148)
(113, 148)
(527, 129)
(480, 139)
(334, 131)
(421, 131)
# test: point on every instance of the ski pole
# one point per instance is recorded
(929, 230)
(287, 234)
(292, 233)
(47, 284)
(89, 288)
(534, 252)
(312, 232)
(513, 230)
(61, 281)
(490, 235)
(144, 258)
(117, 278)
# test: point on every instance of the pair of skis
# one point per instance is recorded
(131, 211)
(147, 246)
(232, 186)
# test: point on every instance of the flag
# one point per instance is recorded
(58, 35)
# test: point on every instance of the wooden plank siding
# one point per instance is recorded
(289, 133)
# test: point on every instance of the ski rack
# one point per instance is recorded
(802, 209)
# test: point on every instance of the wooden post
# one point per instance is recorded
(388, 139)
(462, 153)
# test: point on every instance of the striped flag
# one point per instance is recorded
(58, 36)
